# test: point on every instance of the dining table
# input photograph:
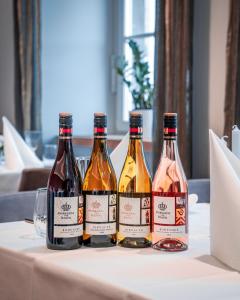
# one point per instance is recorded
(28, 270)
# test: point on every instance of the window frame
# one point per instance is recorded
(121, 125)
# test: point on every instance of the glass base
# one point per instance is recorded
(134, 243)
(170, 245)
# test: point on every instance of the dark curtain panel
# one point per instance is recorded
(232, 95)
(27, 64)
(173, 75)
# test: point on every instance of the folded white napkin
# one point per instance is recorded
(118, 155)
(225, 203)
(18, 154)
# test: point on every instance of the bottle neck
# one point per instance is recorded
(65, 139)
(100, 145)
(65, 145)
(170, 149)
(135, 146)
(100, 139)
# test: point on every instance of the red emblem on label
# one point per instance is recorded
(128, 207)
(96, 204)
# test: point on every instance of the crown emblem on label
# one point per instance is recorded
(96, 204)
(128, 207)
(66, 207)
(162, 206)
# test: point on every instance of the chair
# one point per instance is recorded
(201, 187)
(32, 179)
(17, 206)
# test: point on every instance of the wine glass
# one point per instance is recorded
(1, 150)
(83, 162)
(40, 212)
(33, 138)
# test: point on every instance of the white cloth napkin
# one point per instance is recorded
(225, 203)
(18, 154)
(118, 155)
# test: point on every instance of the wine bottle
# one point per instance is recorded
(64, 194)
(134, 192)
(100, 191)
(170, 194)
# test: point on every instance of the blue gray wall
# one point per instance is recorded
(75, 62)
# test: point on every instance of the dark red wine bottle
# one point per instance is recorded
(64, 194)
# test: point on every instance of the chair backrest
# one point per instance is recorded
(32, 179)
(17, 206)
(201, 187)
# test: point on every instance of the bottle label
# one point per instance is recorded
(170, 215)
(68, 217)
(100, 214)
(134, 216)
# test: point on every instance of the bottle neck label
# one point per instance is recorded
(65, 132)
(170, 133)
(136, 132)
(100, 132)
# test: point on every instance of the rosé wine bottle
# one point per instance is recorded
(170, 195)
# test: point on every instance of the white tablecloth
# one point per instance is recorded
(30, 271)
(9, 180)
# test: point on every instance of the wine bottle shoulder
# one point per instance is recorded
(169, 177)
(65, 175)
(134, 177)
(100, 176)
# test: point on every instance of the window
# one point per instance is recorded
(137, 22)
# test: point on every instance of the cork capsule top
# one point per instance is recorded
(99, 114)
(170, 114)
(136, 119)
(170, 120)
(65, 119)
(170, 125)
(135, 114)
(100, 119)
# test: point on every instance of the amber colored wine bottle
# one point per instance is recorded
(170, 194)
(134, 192)
(64, 194)
(100, 191)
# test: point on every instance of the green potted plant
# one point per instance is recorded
(137, 79)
